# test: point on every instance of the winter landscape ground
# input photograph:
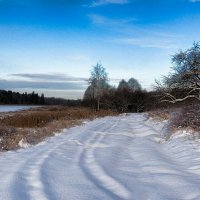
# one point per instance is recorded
(123, 157)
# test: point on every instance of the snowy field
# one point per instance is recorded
(110, 158)
(10, 108)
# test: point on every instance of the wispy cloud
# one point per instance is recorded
(107, 2)
(18, 84)
(43, 82)
(52, 85)
(41, 2)
(146, 42)
(102, 20)
(193, 1)
(56, 77)
(131, 33)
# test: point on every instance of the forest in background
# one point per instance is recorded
(16, 98)
(178, 92)
(10, 97)
(181, 87)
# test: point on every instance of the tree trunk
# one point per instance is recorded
(98, 104)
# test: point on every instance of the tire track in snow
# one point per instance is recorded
(96, 173)
(170, 169)
(27, 179)
(31, 186)
(34, 178)
(34, 181)
(128, 135)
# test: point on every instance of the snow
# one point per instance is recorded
(23, 144)
(112, 158)
(10, 108)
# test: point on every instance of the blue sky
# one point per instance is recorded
(50, 45)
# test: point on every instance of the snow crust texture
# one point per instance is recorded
(112, 158)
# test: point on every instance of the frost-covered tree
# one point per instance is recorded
(185, 76)
(98, 83)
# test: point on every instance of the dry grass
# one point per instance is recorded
(39, 118)
(34, 126)
(160, 114)
(189, 117)
(184, 117)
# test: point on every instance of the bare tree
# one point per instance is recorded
(98, 82)
(185, 77)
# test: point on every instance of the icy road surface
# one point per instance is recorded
(110, 158)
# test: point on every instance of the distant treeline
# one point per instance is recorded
(180, 88)
(126, 100)
(10, 97)
(60, 101)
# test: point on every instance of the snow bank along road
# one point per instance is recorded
(110, 158)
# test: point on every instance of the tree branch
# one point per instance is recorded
(180, 100)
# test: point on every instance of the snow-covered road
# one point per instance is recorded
(109, 158)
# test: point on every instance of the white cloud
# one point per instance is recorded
(128, 32)
(97, 19)
(134, 35)
(146, 43)
(193, 1)
(50, 84)
(101, 20)
(106, 2)
(48, 77)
